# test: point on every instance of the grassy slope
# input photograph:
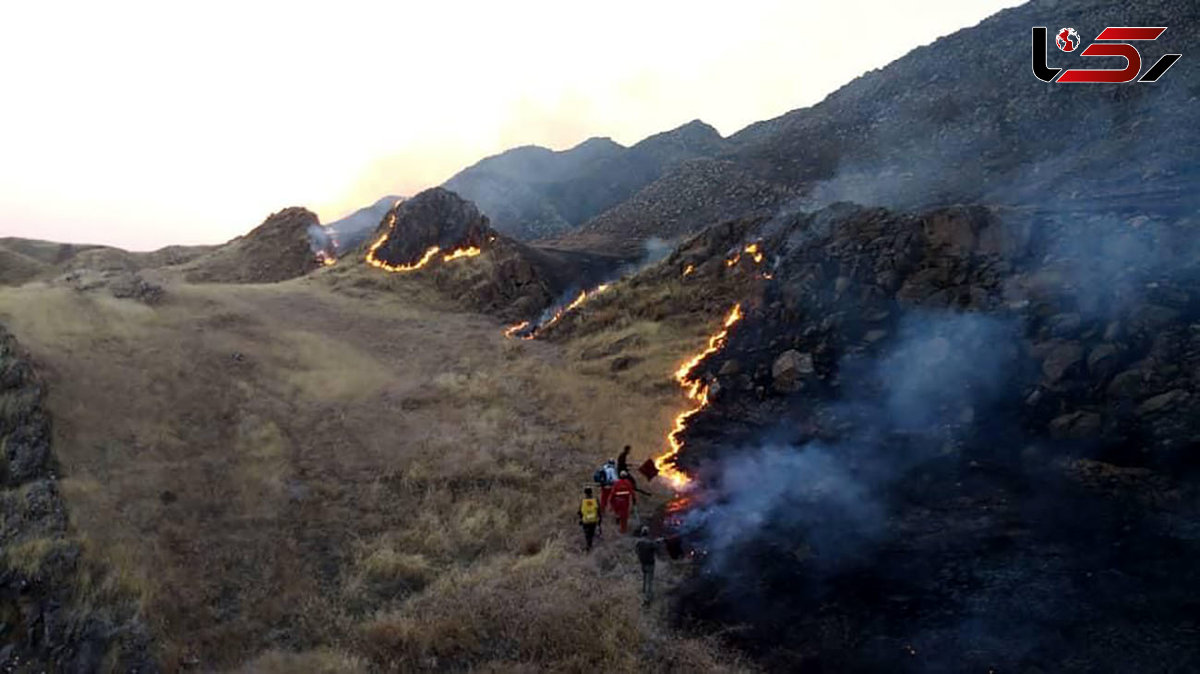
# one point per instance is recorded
(372, 482)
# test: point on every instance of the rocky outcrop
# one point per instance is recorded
(53, 619)
(956, 364)
(277, 250)
(435, 217)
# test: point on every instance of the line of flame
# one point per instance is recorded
(514, 329)
(471, 251)
(584, 295)
(696, 391)
(374, 261)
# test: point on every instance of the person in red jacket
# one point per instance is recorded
(623, 500)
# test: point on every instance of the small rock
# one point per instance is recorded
(1064, 325)
(1060, 360)
(730, 367)
(873, 336)
(623, 363)
(1102, 359)
(1076, 425)
(1162, 402)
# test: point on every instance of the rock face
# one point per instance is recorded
(51, 621)
(435, 217)
(276, 250)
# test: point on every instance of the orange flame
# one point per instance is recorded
(374, 261)
(471, 251)
(690, 268)
(584, 295)
(751, 249)
(326, 259)
(514, 329)
(696, 391)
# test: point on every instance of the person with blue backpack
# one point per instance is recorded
(605, 477)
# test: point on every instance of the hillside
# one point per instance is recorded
(531, 192)
(963, 120)
(278, 249)
(330, 475)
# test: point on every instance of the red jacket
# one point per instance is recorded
(622, 494)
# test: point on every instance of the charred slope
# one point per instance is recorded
(532, 192)
(442, 237)
(953, 440)
(277, 250)
(964, 120)
(57, 617)
(697, 191)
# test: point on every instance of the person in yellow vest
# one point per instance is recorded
(589, 516)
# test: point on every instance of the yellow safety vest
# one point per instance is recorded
(589, 510)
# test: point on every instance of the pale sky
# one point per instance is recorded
(143, 124)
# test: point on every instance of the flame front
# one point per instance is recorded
(471, 251)
(584, 295)
(514, 329)
(373, 260)
(696, 391)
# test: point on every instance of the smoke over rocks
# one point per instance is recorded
(936, 439)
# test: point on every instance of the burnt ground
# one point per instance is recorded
(961, 440)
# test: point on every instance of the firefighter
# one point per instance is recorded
(604, 477)
(623, 500)
(623, 469)
(623, 460)
(589, 517)
(646, 549)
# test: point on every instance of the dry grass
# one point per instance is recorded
(298, 479)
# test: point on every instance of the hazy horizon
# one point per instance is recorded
(145, 125)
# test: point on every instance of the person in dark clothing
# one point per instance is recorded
(589, 516)
(623, 469)
(623, 460)
(646, 547)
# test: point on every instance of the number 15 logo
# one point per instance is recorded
(1119, 36)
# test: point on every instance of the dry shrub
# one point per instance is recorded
(551, 611)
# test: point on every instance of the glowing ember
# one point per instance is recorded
(696, 391)
(690, 268)
(752, 250)
(326, 259)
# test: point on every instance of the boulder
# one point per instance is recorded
(1102, 361)
(1060, 360)
(1128, 384)
(1076, 425)
(789, 368)
(1163, 402)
